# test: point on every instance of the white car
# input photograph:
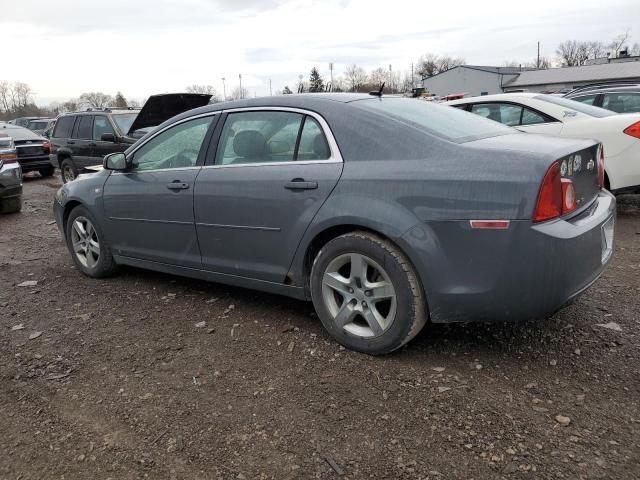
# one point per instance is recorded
(553, 115)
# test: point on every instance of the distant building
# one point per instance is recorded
(470, 79)
(476, 80)
(559, 79)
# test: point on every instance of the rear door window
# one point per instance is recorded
(504, 113)
(313, 144)
(530, 117)
(83, 128)
(259, 137)
(64, 126)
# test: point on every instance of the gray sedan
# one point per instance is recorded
(385, 212)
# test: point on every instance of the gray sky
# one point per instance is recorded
(63, 48)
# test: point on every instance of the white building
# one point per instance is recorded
(471, 79)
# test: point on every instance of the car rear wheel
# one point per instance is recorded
(89, 250)
(68, 170)
(47, 172)
(367, 293)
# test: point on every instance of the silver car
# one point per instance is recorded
(10, 177)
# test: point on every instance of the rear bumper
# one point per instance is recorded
(29, 164)
(527, 271)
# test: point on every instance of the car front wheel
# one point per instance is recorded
(367, 294)
(89, 249)
(68, 170)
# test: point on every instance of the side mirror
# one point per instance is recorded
(108, 137)
(115, 161)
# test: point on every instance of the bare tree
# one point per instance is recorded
(635, 50)
(573, 53)
(379, 76)
(5, 96)
(206, 89)
(23, 95)
(97, 100)
(596, 49)
(356, 77)
(239, 92)
(618, 43)
(430, 64)
(71, 105)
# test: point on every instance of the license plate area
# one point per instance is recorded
(607, 239)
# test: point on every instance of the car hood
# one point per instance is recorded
(159, 108)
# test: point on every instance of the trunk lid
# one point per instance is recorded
(159, 108)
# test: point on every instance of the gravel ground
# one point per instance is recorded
(120, 379)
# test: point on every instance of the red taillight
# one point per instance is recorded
(550, 197)
(633, 130)
(601, 168)
(46, 147)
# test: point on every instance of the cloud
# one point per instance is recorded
(141, 47)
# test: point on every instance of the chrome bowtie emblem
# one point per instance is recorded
(590, 164)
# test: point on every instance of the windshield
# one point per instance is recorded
(124, 121)
(37, 125)
(577, 106)
(440, 120)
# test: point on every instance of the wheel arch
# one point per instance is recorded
(68, 208)
(324, 235)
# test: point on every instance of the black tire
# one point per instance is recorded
(11, 205)
(47, 172)
(410, 312)
(68, 170)
(99, 267)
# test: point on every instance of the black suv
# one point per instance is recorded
(620, 98)
(82, 139)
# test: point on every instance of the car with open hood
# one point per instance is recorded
(385, 212)
(82, 139)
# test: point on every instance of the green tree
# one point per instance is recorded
(316, 84)
(119, 101)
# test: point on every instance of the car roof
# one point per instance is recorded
(497, 96)
(604, 89)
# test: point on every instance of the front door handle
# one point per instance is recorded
(177, 185)
(300, 184)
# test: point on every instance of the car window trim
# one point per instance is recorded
(335, 157)
(201, 155)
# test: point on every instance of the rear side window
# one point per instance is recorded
(586, 99)
(576, 106)
(622, 102)
(313, 144)
(84, 127)
(439, 120)
(64, 125)
(499, 112)
(529, 117)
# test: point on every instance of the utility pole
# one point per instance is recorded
(331, 73)
(538, 61)
(224, 89)
(390, 79)
(240, 78)
(270, 91)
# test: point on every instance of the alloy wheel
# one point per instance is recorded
(359, 295)
(84, 240)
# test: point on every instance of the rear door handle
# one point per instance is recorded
(300, 184)
(177, 185)
(70, 142)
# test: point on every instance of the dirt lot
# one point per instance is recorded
(116, 379)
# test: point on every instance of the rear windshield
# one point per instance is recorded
(38, 125)
(577, 106)
(440, 120)
(124, 121)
